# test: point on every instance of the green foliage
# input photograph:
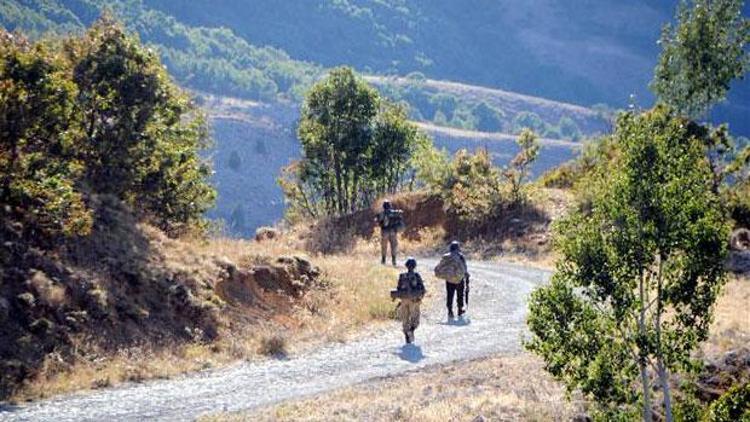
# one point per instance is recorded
(702, 55)
(640, 267)
(518, 170)
(489, 119)
(142, 134)
(569, 129)
(355, 147)
(734, 405)
(97, 114)
(209, 59)
(528, 120)
(569, 175)
(431, 165)
(234, 162)
(473, 190)
(39, 137)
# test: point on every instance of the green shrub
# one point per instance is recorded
(732, 406)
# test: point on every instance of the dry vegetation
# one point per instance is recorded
(251, 319)
(497, 389)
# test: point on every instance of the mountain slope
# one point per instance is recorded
(584, 52)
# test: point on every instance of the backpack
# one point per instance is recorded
(393, 220)
(450, 269)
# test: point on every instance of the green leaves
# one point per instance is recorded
(702, 55)
(38, 136)
(97, 114)
(641, 265)
(355, 147)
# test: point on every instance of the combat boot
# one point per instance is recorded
(450, 313)
(461, 312)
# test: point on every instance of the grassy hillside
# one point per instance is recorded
(211, 59)
(585, 52)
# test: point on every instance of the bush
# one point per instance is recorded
(96, 114)
(273, 345)
(734, 405)
(472, 191)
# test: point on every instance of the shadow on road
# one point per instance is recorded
(459, 322)
(411, 353)
(6, 407)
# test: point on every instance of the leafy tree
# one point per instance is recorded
(392, 145)
(569, 129)
(234, 162)
(488, 118)
(444, 103)
(355, 146)
(734, 405)
(39, 134)
(529, 120)
(518, 170)
(640, 269)
(472, 190)
(142, 134)
(237, 219)
(702, 55)
(431, 165)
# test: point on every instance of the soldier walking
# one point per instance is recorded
(452, 268)
(410, 291)
(390, 222)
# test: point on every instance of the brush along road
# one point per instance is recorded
(494, 324)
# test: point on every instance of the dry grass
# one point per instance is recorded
(497, 388)
(731, 326)
(101, 370)
(355, 294)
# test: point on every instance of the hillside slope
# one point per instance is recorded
(584, 52)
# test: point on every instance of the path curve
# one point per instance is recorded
(494, 325)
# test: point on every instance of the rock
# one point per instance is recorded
(738, 262)
(266, 233)
(26, 299)
(740, 239)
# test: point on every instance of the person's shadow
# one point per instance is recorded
(411, 353)
(456, 322)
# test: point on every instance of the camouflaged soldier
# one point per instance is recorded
(390, 222)
(410, 291)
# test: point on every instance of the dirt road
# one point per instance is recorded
(495, 324)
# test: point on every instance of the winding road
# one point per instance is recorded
(495, 324)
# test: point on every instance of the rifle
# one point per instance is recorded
(466, 290)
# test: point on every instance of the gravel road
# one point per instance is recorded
(494, 324)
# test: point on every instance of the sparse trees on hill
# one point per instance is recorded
(702, 55)
(640, 270)
(355, 147)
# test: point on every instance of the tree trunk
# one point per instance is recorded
(664, 381)
(643, 354)
(661, 368)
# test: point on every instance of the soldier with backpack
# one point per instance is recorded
(410, 290)
(390, 222)
(452, 268)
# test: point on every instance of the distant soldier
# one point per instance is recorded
(410, 291)
(452, 268)
(390, 221)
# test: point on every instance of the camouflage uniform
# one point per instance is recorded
(408, 310)
(388, 235)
